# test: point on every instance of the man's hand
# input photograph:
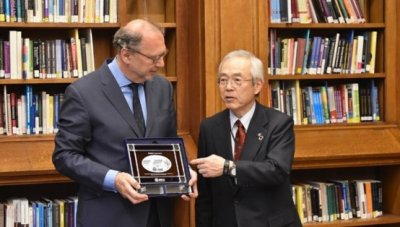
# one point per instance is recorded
(127, 186)
(193, 184)
(211, 166)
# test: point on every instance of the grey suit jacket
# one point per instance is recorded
(262, 195)
(94, 121)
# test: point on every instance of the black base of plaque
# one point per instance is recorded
(160, 165)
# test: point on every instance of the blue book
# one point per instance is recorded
(374, 101)
(318, 106)
(28, 94)
(315, 55)
(312, 119)
(275, 18)
(7, 11)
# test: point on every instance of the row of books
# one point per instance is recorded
(326, 104)
(25, 58)
(58, 11)
(344, 53)
(317, 11)
(45, 212)
(338, 200)
(33, 112)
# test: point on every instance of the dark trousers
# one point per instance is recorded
(154, 220)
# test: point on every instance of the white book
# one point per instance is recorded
(82, 11)
(295, 49)
(19, 55)
(113, 11)
(359, 53)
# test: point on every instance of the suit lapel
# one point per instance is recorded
(148, 88)
(223, 145)
(222, 135)
(255, 134)
(114, 95)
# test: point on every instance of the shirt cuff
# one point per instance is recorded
(109, 181)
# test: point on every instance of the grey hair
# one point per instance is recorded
(256, 65)
(131, 40)
(123, 38)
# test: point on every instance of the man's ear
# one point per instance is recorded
(125, 55)
(258, 85)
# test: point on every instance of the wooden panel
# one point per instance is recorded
(196, 71)
(27, 160)
(397, 57)
(212, 55)
(26, 156)
(237, 29)
(391, 189)
(131, 9)
(347, 147)
(391, 104)
(229, 25)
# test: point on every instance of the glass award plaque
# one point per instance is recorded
(160, 165)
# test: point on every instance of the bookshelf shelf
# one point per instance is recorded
(24, 25)
(31, 178)
(54, 81)
(384, 220)
(326, 76)
(37, 81)
(26, 138)
(327, 26)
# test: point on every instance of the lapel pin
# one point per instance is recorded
(260, 136)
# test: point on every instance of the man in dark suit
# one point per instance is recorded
(95, 118)
(244, 167)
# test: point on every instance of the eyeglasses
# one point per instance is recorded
(236, 81)
(154, 59)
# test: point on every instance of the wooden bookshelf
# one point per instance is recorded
(370, 150)
(26, 168)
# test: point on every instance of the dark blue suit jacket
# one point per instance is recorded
(93, 123)
(262, 196)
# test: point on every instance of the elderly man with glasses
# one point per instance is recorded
(245, 154)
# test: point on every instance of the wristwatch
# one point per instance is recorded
(232, 169)
(226, 167)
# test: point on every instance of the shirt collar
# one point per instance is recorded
(245, 119)
(118, 74)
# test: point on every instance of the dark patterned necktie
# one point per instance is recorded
(239, 139)
(137, 109)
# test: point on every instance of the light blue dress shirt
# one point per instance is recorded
(123, 83)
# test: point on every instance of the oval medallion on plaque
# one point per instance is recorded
(156, 163)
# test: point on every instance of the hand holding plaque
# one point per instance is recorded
(159, 165)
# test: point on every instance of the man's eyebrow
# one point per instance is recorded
(234, 74)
